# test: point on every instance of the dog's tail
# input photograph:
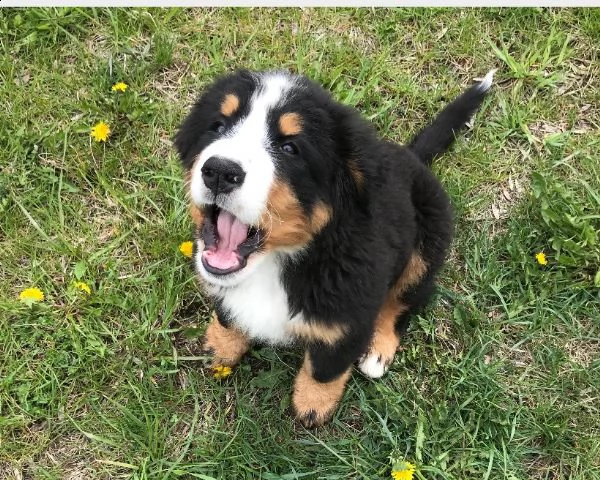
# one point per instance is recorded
(437, 137)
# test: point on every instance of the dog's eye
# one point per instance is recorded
(218, 127)
(289, 148)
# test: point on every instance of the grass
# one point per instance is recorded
(500, 378)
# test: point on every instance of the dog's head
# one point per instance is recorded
(262, 152)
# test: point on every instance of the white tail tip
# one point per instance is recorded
(486, 82)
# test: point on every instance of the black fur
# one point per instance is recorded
(437, 137)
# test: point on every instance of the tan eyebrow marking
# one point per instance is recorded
(290, 123)
(230, 104)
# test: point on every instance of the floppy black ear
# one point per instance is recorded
(352, 134)
(190, 134)
(187, 135)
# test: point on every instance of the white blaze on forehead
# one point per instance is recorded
(248, 144)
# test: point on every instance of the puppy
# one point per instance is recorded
(310, 229)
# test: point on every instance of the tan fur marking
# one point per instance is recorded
(321, 215)
(285, 223)
(197, 215)
(330, 334)
(385, 341)
(413, 272)
(357, 174)
(290, 124)
(227, 345)
(315, 402)
(230, 104)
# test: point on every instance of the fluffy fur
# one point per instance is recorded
(310, 229)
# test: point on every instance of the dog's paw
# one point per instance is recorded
(226, 346)
(310, 411)
(374, 364)
(315, 402)
(219, 356)
(313, 419)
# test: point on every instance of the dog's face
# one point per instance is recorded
(261, 157)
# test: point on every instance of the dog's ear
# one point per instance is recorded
(190, 131)
(184, 141)
(193, 126)
(351, 135)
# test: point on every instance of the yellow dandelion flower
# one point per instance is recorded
(541, 258)
(31, 295)
(100, 132)
(119, 87)
(187, 248)
(404, 471)
(221, 371)
(83, 286)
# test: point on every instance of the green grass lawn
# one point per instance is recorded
(499, 378)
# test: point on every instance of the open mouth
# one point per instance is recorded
(227, 241)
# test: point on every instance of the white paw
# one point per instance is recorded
(373, 365)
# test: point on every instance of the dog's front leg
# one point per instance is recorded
(227, 345)
(320, 385)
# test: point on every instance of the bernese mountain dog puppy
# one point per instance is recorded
(310, 229)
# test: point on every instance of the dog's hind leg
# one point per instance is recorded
(394, 312)
(385, 341)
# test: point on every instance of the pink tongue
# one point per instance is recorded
(232, 232)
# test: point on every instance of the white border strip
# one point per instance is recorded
(300, 3)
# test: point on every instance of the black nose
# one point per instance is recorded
(221, 175)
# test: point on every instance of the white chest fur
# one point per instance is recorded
(259, 304)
